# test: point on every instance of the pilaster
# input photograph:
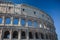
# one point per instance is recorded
(11, 34)
(3, 20)
(11, 21)
(27, 34)
(19, 23)
(19, 34)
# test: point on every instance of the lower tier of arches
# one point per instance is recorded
(25, 34)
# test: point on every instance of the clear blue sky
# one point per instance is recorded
(51, 7)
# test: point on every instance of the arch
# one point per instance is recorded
(15, 34)
(23, 34)
(7, 20)
(23, 22)
(30, 35)
(6, 34)
(36, 35)
(29, 23)
(15, 21)
(35, 24)
(42, 36)
(46, 36)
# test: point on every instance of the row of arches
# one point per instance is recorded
(23, 35)
(14, 35)
(7, 34)
(23, 22)
(16, 21)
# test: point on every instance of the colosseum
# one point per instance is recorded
(25, 22)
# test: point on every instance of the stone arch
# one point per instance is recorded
(42, 35)
(15, 34)
(30, 35)
(23, 34)
(6, 34)
(36, 35)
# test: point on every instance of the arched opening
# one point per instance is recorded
(30, 35)
(23, 22)
(35, 24)
(15, 21)
(42, 36)
(1, 20)
(15, 35)
(8, 20)
(29, 23)
(36, 35)
(23, 35)
(46, 36)
(6, 34)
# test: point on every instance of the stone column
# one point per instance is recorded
(26, 24)
(11, 21)
(44, 36)
(27, 32)
(38, 24)
(42, 25)
(34, 35)
(3, 20)
(48, 36)
(32, 23)
(19, 24)
(40, 36)
(11, 34)
(1, 34)
(43, 30)
(19, 35)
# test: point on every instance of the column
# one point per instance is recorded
(1, 34)
(40, 36)
(26, 24)
(19, 35)
(48, 36)
(44, 31)
(42, 25)
(32, 23)
(3, 20)
(34, 35)
(19, 24)
(11, 21)
(39, 24)
(27, 34)
(11, 34)
(44, 36)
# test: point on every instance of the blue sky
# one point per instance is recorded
(51, 7)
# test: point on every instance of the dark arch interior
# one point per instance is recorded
(23, 35)
(6, 34)
(36, 35)
(15, 34)
(30, 35)
(42, 36)
(46, 36)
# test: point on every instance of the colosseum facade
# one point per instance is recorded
(25, 22)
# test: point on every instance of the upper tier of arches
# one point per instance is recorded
(24, 9)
